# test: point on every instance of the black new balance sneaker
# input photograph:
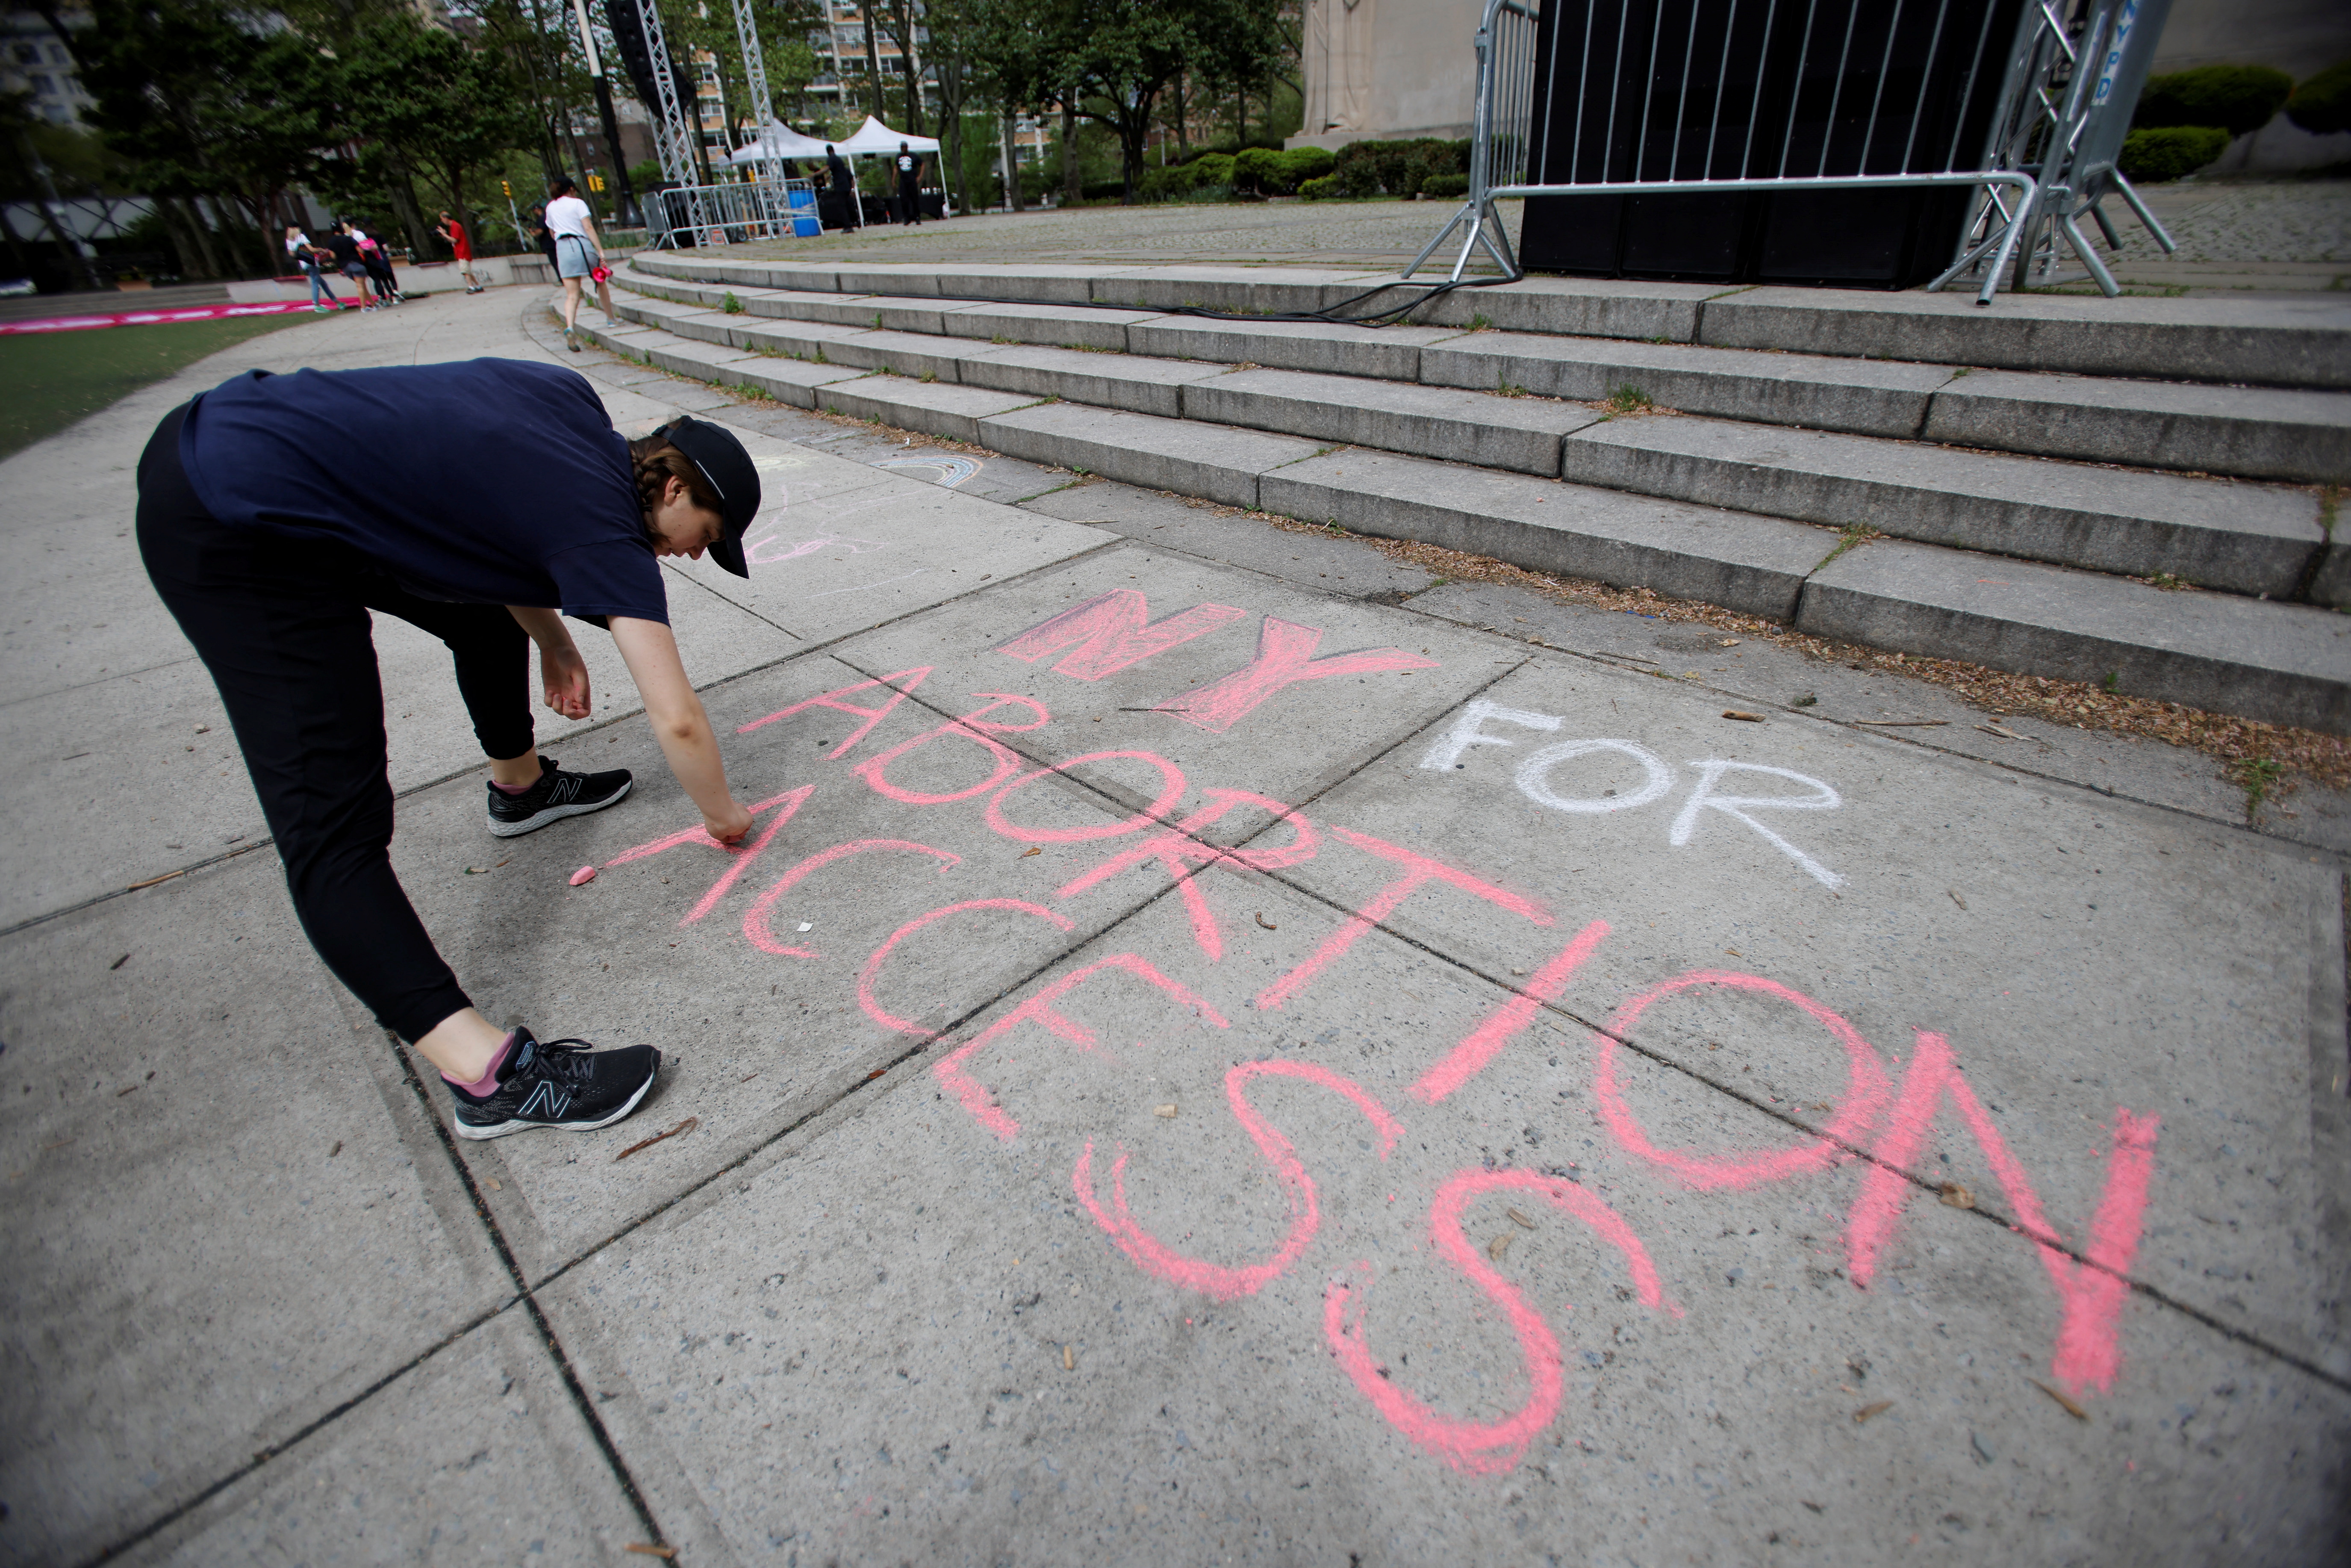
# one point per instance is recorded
(557, 795)
(562, 1083)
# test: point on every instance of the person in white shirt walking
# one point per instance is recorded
(578, 257)
(305, 255)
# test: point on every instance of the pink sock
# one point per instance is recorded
(514, 789)
(489, 1077)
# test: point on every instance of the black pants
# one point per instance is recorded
(283, 626)
(910, 201)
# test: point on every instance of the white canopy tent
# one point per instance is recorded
(779, 142)
(877, 138)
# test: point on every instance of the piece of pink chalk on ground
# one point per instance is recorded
(583, 876)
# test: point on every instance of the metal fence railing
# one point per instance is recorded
(1687, 97)
(730, 212)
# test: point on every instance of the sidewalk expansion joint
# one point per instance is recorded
(523, 1289)
(154, 1527)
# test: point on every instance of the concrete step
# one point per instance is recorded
(1735, 560)
(1864, 396)
(2286, 663)
(2302, 342)
(1518, 433)
(2244, 538)
(2253, 431)
(2297, 436)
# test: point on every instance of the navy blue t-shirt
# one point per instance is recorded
(488, 482)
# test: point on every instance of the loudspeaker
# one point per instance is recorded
(1642, 90)
(636, 57)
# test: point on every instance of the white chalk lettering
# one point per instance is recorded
(1445, 754)
(1534, 777)
(1703, 797)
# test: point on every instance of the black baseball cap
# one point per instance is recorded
(713, 449)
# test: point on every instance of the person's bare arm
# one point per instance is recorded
(561, 668)
(680, 723)
(588, 224)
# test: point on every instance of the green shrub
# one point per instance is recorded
(2322, 105)
(1212, 169)
(1300, 164)
(2152, 156)
(2239, 100)
(1441, 186)
(1323, 190)
(1258, 169)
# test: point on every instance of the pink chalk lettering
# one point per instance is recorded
(1179, 850)
(970, 726)
(1171, 779)
(806, 547)
(698, 835)
(1482, 1044)
(831, 699)
(866, 976)
(1285, 657)
(1214, 1280)
(2092, 1291)
(1038, 1009)
(1481, 1448)
(1864, 1092)
(709, 901)
(756, 929)
(1419, 870)
(1107, 634)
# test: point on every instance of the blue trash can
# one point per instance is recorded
(806, 224)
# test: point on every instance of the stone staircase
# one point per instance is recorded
(1907, 471)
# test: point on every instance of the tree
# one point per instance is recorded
(1109, 61)
(203, 107)
(449, 108)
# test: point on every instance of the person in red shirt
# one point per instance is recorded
(455, 232)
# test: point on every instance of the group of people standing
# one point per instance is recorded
(351, 251)
(361, 258)
(907, 180)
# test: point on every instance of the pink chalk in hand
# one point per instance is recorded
(583, 876)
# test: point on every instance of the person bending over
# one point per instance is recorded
(493, 498)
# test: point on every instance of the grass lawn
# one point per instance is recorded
(57, 378)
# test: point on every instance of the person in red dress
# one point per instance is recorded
(459, 241)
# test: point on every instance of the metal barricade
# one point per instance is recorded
(1716, 109)
(728, 212)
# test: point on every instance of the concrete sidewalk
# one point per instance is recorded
(1220, 1049)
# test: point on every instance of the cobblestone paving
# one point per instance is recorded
(2281, 221)
(1375, 233)
(2296, 225)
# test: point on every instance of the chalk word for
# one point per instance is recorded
(1879, 1121)
(1534, 780)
